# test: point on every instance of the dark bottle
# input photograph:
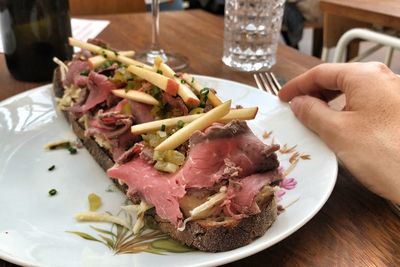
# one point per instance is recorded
(35, 31)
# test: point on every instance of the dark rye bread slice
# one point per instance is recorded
(215, 236)
(206, 235)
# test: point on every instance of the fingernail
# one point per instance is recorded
(296, 103)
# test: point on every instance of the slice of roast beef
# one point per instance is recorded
(141, 112)
(175, 103)
(73, 76)
(241, 194)
(156, 188)
(221, 153)
(214, 152)
(99, 89)
(114, 127)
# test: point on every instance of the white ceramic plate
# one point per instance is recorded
(33, 225)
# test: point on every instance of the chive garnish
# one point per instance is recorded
(52, 192)
(51, 168)
(180, 124)
(72, 150)
(160, 72)
(84, 73)
(163, 128)
(204, 91)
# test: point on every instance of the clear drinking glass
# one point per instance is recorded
(252, 29)
(174, 60)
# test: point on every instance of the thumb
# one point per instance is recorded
(316, 115)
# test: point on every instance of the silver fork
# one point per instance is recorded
(267, 82)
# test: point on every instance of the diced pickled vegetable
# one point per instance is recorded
(154, 139)
(166, 166)
(158, 156)
(94, 202)
(171, 156)
(174, 156)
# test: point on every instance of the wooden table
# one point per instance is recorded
(343, 15)
(354, 228)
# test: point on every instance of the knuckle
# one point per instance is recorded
(378, 67)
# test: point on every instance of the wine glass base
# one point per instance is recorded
(175, 61)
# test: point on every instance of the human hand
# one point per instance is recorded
(366, 135)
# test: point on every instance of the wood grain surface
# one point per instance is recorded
(342, 15)
(354, 228)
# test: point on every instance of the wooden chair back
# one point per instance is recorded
(101, 7)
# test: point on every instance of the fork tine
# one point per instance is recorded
(277, 84)
(258, 81)
(261, 83)
(267, 84)
(271, 84)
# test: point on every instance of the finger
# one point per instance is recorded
(317, 116)
(320, 78)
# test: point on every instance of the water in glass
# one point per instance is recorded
(252, 29)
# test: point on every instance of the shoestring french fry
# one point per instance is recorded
(98, 60)
(164, 83)
(183, 134)
(234, 114)
(136, 96)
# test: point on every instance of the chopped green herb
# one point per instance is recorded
(51, 168)
(104, 54)
(183, 81)
(180, 124)
(176, 75)
(115, 53)
(84, 73)
(160, 72)
(204, 97)
(192, 80)
(163, 128)
(108, 63)
(71, 149)
(52, 192)
(62, 145)
(204, 91)
(155, 91)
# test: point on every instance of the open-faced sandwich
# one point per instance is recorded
(190, 161)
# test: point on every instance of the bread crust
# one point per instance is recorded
(215, 236)
(205, 235)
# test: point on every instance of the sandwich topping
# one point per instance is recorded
(174, 143)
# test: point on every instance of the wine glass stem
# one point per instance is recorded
(155, 12)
